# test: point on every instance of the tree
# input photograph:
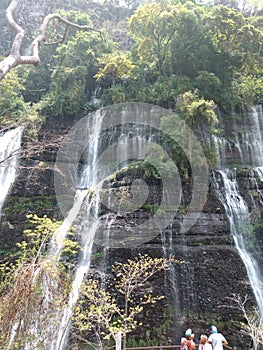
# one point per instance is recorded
(73, 80)
(12, 105)
(196, 112)
(99, 311)
(252, 325)
(233, 34)
(190, 46)
(115, 66)
(15, 57)
(25, 279)
(153, 27)
(250, 89)
(208, 85)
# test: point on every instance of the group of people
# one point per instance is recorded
(215, 341)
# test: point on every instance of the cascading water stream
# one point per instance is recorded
(81, 271)
(251, 141)
(249, 144)
(86, 227)
(170, 276)
(226, 187)
(88, 223)
(10, 143)
(84, 216)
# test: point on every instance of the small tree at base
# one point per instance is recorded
(252, 325)
(98, 310)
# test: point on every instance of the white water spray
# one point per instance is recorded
(10, 143)
(238, 215)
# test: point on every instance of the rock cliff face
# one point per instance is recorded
(196, 289)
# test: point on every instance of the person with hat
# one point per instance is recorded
(216, 339)
(187, 342)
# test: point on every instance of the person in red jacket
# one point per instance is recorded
(187, 342)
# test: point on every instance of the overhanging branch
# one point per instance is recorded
(15, 58)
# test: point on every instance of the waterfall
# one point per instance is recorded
(96, 148)
(170, 275)
(83, 215)
(81, 271)
(85, 220)
(10, 142)
(236, 209)
(248, 147)
(251, 141)
(103, 152)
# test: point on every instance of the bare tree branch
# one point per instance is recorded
(15, 58)
(10, 155)
(252, 325)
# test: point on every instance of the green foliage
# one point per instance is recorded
(188, 39)
(37, 80)
(13, 109)
(195, 110)
(36, 235)
(208, 85)
(165, 90)
(157, 335)
(97, 309)
(70, 248)
(73, 80)
(115, 66)
(250, 89)
(176, 47)
(153, 26)
(26, 205)
(68, 96)
(12, 105)
(113, 95)
(157, 163)
(206, 45)
(232, 33)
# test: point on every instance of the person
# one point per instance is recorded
(187, 342)
(203, 344)
(216, 339)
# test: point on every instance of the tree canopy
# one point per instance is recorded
(153, 53)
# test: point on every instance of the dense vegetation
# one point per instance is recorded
(154, 53)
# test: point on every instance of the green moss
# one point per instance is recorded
(97, 255)
(36, 204)
(8, 253)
